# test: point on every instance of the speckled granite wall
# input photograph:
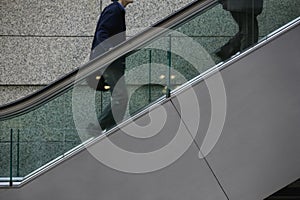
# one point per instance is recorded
(143, 13)
(43, 40)
(46, 58)
(8, 92)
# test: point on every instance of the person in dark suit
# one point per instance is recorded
(110, 31)
(245, 13)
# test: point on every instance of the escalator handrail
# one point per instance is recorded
(52, 90)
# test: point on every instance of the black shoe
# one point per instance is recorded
(94, 130)
(225, 53)
(228, 50)
(221, 54)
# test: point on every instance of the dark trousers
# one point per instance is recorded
(244, 38)
(248, 29)
(115, 110)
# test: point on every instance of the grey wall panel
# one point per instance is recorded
(258, 149)
(197, 124)
(85, 177)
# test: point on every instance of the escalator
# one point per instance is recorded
(195, 127)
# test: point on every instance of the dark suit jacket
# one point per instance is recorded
(110, 31)
(111, 27)
(254, 6)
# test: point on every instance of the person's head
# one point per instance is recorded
(124, 2)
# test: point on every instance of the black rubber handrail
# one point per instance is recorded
(49, 92)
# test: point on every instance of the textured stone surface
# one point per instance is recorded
(45, 133)
(144, 13)
(67, 17)
(277, 13)
(48, 17)
(43, 40)
(10, 93)
(41, 60)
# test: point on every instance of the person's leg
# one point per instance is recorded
(235, 41)
(249, 30)
(233, 45)
(115, 110)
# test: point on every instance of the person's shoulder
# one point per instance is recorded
(113, 6)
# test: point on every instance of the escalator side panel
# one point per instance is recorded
(84, 177)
